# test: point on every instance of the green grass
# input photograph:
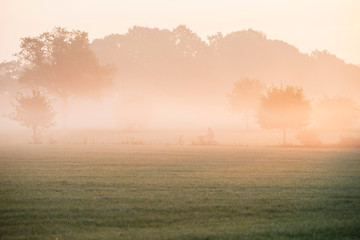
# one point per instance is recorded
(154, 192)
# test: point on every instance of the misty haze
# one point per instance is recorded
(159, 132)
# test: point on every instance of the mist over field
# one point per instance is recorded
(150, 79)
(180, 120)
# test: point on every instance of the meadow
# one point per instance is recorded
(109, 191)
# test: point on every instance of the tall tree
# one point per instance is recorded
(284, 108)
(62, 62)
(245, 97)
(33, 111)
(336, 113)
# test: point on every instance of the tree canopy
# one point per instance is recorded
(284, 108)
(179, 63)
(62, 62)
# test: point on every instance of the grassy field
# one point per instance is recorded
(165, 192)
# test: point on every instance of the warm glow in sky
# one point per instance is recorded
(333, 25)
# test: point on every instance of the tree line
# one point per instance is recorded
(64, 64)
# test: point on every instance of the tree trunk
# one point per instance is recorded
(247, 116)
(284, 136)
(35, 136)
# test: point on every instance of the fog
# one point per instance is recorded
(149, 80)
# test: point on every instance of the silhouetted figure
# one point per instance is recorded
(181, 141)
(207, 139)
(210, 136)
(51, 139)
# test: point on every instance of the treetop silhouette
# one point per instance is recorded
(62, 62)
(176, 60)
(284, 108)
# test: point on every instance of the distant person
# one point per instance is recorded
(210, 136)
(51, 139)
(181, 141)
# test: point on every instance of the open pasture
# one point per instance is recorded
(168, 192)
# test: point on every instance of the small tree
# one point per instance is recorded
(33, 111)
(284, 108)
(245, 97)
(309, 138)
(337, 113)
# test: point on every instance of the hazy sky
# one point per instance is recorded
(333, 25)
